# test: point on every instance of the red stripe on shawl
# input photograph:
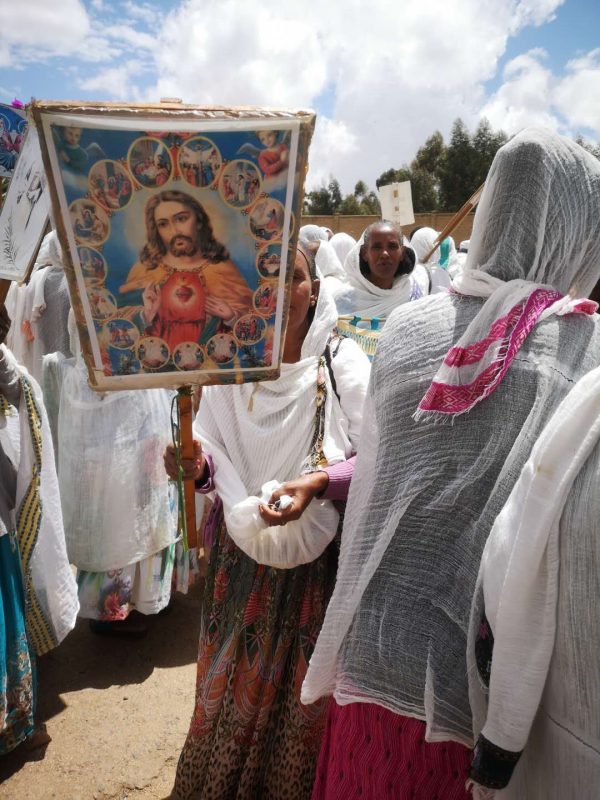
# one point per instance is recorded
(463, 356)
(446, 398)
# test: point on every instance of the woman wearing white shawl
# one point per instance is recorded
(539, 577)
(442, 264)
(371, 288)
(495, 357)
(342, 243)
(38, 595)
(250, 736)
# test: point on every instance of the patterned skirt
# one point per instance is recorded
(250, 736)
(17, 672)
(371, 753)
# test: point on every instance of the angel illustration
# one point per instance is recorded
(275, 153)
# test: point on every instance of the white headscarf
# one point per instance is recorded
(312, 233)
(328, 262)
(360, 297)
(342, 243)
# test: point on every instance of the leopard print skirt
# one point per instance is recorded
(250, 737)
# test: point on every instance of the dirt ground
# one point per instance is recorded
(117, 710)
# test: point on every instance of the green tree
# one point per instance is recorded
(324, 201)
(458, 169)
(486, 144)
(429, 156)
(422, 184)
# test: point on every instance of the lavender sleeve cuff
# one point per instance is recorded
(340, 475)
(205, 482)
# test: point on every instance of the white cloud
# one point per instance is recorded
(52, 28)
(577, 95)
(399, 70)
(532, 94)
(524, 97)
(116, 83)
(131, 36)
(396, 71)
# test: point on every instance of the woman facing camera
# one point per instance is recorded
(380, 274)
(250, 736)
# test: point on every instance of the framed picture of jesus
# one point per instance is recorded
(178, 225)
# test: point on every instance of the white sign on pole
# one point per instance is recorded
(396, 203)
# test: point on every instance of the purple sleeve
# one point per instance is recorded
(340, 475)
(205, 483)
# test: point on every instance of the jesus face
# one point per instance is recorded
(177, 227)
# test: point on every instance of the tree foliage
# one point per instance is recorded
(443, 176)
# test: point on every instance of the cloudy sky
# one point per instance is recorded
(382, 74)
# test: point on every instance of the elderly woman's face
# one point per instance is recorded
(383, 254)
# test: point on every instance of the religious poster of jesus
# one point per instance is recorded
(179, 224)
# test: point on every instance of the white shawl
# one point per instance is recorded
(519, 570)
(263, 431)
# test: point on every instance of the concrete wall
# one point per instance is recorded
(355, 225)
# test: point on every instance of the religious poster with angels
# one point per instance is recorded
(179, 225)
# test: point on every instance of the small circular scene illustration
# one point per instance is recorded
(90, 222)
(240, 183)
(110, 185)
(122, 333)
(93, 265)
(266, 219)
(150, 162)
(199, 162)
(222, 348)
(188, 356)
(152, 352)
(265, 299)
(250, 329)
(102, 303)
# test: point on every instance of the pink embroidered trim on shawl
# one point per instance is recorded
(510, 331)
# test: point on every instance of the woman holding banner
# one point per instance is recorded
(250, 736)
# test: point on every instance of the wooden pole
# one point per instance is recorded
(455, 221)
(184, 399)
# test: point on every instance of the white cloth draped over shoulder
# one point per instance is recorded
(52, 579)
(424, 496)
(342, 243)
(422, 242)
(358, 296)
(328, 262)
(520, 575)
(263, 431)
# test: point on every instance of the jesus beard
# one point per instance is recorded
(182, 246)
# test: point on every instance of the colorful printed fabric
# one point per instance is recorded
(17, 678)
(369, 753)
(470, 374)
(250, 736)
(145, 586)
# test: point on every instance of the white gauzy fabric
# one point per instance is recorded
(342, 243)
(256, 433)
(312, 233)
(422, 242)
(361, 297)
(328, 263)
(52, 577)
(424, 497)
(113, 486)
(519, 574)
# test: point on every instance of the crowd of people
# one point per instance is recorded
(402, 554)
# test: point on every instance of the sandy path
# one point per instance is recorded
(117, 710)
